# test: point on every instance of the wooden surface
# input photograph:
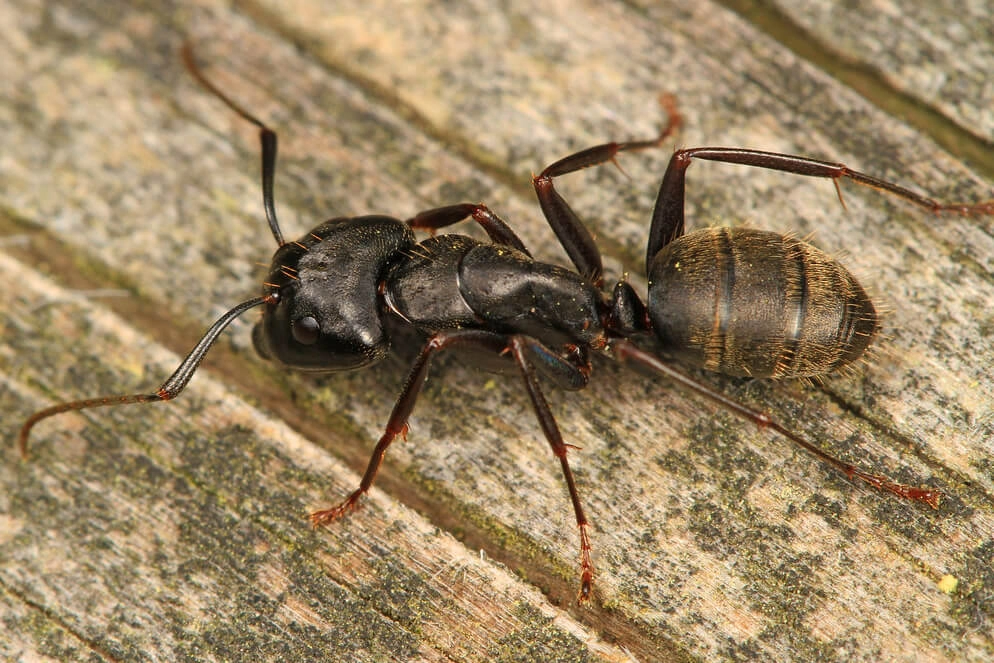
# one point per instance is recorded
(177, 532)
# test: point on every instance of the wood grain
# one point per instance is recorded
(177, 531)
(936, 52)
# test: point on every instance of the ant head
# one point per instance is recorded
(325, 310)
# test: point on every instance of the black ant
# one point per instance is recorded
(736, 301)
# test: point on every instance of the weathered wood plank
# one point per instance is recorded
(714, 540)
(940, 53)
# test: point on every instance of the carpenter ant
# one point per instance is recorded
(736, 301)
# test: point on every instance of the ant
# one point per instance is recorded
(742, 302)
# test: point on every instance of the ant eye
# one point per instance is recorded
(305, 330)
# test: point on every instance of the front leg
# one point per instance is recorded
(397, 424)
(496, 228)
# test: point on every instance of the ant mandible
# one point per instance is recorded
(736, 301)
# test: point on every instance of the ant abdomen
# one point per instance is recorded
(756, 303)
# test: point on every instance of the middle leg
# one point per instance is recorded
(521, 348)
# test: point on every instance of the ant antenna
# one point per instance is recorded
(267, 138)
(170, 389)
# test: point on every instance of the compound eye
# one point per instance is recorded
(305, 330)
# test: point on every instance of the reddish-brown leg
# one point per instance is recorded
(495, 227)
(627, 350)
(572, 234)
(668, 216)
(520, 349)
(397, 424)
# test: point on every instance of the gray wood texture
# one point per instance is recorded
(130, 218)
(939, 53)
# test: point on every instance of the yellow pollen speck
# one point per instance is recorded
(948, 584)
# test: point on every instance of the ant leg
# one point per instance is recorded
(397, 424)
(668, 221)
(267, 138)
(572, 234)
(626, 350)
(561, 370)
(440, 217)
(569, 371)
(522, 347)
